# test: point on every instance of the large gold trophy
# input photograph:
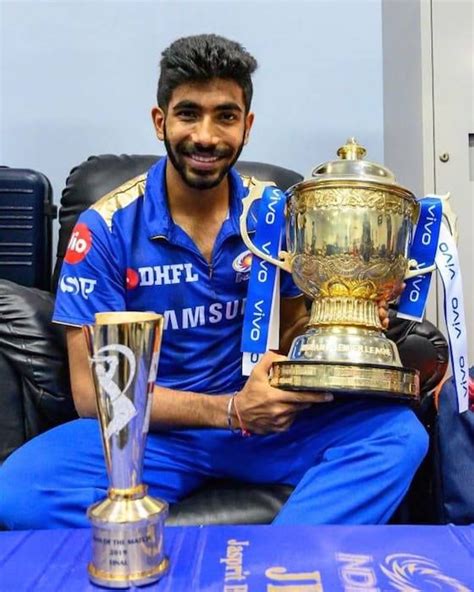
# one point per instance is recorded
(348, 231)
(127, 526)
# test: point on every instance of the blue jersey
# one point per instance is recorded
(126, 253)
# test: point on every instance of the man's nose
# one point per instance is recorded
(204, 133)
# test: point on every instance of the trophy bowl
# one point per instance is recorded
(348, 229)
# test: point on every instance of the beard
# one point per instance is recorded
(202, 179)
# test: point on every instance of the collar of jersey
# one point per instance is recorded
(157, 216)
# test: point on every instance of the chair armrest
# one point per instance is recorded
(421, 346)
(35, 350)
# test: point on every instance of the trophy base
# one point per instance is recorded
(346, 380)
(110, 580)
(127, 539)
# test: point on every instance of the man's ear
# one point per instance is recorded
(249, 119)
(158, 117)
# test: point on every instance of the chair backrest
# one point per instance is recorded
(99, 175)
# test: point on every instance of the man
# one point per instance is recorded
(167, 241)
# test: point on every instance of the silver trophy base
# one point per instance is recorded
(127, 542)
(108, 580)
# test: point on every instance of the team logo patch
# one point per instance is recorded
(132, 279)
(79, 244)
(77, 285)
(408, 573)
(242, 262)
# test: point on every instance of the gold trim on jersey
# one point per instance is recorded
(119, 198)
(125, 194)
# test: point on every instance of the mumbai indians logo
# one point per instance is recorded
(414, 573)
(242, 262)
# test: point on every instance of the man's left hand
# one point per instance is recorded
(383, 313)
(383, 307)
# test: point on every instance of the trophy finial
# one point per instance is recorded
(351, 150)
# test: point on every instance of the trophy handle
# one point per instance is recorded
(414, 271)
(285, 258)
(451, 221)
(450, 217)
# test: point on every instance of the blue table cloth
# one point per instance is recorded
(260, 559)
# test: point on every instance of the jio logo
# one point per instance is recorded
(79, 244)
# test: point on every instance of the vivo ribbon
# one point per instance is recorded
(262, 309)
(447, 262)
(434, 243)
(423, 249)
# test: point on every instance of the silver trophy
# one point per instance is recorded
(127, 526)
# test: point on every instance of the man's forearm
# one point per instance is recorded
(173, 409)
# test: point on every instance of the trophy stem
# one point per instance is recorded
(356, 312)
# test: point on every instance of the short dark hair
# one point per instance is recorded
(200, 58)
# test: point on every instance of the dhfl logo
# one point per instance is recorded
(79, 244)
(132, 279)
(242, 262)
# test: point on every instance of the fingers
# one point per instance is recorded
(383, 309)
(261, 372)
(263, 367)
(301, 398)
(399, 290)
(383, 313)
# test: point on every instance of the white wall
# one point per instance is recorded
(428, 111)
(78, 78)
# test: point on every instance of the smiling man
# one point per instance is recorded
(200, 154)
(169, 241)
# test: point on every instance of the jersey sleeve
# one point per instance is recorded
(91, 278)
(288, 288)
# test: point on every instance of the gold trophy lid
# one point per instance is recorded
(351, 166)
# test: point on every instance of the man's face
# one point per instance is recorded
(204, 129)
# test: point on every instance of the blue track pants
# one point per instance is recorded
(351, 463)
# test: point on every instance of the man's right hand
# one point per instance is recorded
(265, 409)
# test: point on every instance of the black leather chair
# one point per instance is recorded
(35, 393)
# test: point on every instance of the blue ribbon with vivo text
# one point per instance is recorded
(261, 318)
(423, 249)
(434, 242)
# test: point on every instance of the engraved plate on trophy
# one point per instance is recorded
(128, 525)
(348, 230)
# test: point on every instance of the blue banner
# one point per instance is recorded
(263, 274)
(423, 249)
(260, 559)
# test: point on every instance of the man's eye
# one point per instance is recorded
(228, 116)
(187, 115)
